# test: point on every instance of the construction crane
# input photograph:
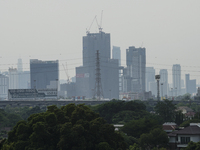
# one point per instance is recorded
(88, 30)
(100, 24)
(66, 72)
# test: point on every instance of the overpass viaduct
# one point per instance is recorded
(20, 103)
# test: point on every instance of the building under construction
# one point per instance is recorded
(109, 68)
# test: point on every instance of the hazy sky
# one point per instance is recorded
(53, 29)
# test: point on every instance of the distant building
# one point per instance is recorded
(85, 75)
(176, 73)
(13, 78)
(19, 65)
(4, 84)
(164, 82)
(116, 54)
(43, 72)
(150, 77)
(23, 76)
(180, 139)
(69, 88)
(134, 74)
(190, 84)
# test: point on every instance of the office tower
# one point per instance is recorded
(13, 78)
(4, 84)
(23, 76)
(85, 75)
(164, 82)
(150, 77)
(43, 72)
(190, 85)
(116, 54)
(176, 73)
(19, 65)
(136, 65)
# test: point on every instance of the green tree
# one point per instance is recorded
(193, 146)
(156, 138)
(166, 109)
(69, 127)
(117, 111)
(136, 128)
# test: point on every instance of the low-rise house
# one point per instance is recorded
(180, 139)
(188, 112)
(168, 127)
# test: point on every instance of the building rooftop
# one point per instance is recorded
(36, 61)
(192, 129)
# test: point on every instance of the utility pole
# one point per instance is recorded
(98, 87)
(161, 91)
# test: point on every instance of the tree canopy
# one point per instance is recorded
(70, 127)
(117, 111)
(166, 109)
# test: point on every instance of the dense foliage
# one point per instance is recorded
(8, 119)
(117, 111)
(166, 109)
(136, 128)
(70, 127)
(193, 146)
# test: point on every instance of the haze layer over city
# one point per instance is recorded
(53, 30)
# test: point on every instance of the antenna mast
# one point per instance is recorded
(98, 87)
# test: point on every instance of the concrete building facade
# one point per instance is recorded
(190, 85)
(164, 86)
(4, 84)
(176, 74)
(109, 68)
(150, 77)
(134, 75)
(116, 54)
(43, 72)
(13, 78)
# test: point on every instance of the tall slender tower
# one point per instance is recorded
(176, 73)
(98, 87)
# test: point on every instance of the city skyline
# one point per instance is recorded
(52, 30)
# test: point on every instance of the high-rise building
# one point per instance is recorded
(150, 77)
(13, 78)
(116, 54)
(176, 73)
(109, 68)
(136, 67)
(164, 87)
(190, 85)
(19, 65)
(23, 76)
(43, 72)
(4, 84)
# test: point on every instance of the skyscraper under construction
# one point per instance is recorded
(109, 69)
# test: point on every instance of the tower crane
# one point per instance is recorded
(66, 72)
